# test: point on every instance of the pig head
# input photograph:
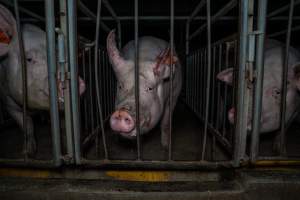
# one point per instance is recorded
(154, 79)
(11, 83)
(272, 84)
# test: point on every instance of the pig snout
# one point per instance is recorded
(231, 114)
(121, 121)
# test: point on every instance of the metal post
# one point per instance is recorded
(208, 77)
(96, 57)
(72, 26)
(284, 82)
(136, 69)
(24, 77)
(51, 62)
(67, 102)
(171, 75)
(241, 118)
(261, 26)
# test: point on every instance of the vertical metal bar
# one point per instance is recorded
(208, 76)
(284, 82)
(51, 63)
(171, 75)
(212, 107)
(85, 79)
(241, 118)
(225, 91)
(67, 101)
(137, 82)
(219, 87)
(24, 77)
(201, 82)
(72, 28)
(261, 26)
(96, 77)
(187, 41)
(91, 90)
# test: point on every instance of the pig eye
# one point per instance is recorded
(276, 92)
(149, 88)
(29, 59)
(120, 87)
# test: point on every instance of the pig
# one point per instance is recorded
(11, 92)
(154, 82)
(272, 84)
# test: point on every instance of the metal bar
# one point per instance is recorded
(219, 86)
(214, 18)
(284, 82)
(90, 14)
(160, 18)
(137, 82)
(296, 28)
(67, 97)
(24, 77)
(28, 12)
(171, 75)
(72, 28)
(240, 131)
(208, 77)
(91, 90)
(261, 27)
(281, 9)
(96, 57)
(51, 63)
(84, 71)
(135, 164)
(187, 42)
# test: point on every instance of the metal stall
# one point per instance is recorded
(79, 130)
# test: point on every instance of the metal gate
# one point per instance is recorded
(84, 122)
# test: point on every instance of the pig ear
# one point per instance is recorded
(7, 29)
(296, 69)
(114, 55)
(162, 66)
(226, 76)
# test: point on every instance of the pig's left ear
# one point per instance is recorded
(162, 67)
(296, 69)
(226, 76)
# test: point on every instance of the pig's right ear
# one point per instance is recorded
(226, 76)
(7, 29)
(117, 61)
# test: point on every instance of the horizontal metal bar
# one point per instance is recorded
(136, 164)
(281, 9)
(28, 163)
(163, 18)
(296, 28)
(214, 18)
(23, 10)
(276, 158)
(90, 14)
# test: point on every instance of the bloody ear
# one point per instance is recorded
(163, 62)
(226, 76)
(296, 69)
(7, 29)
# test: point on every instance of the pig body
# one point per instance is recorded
(11, 84)
(272, 84)
(154, 82)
